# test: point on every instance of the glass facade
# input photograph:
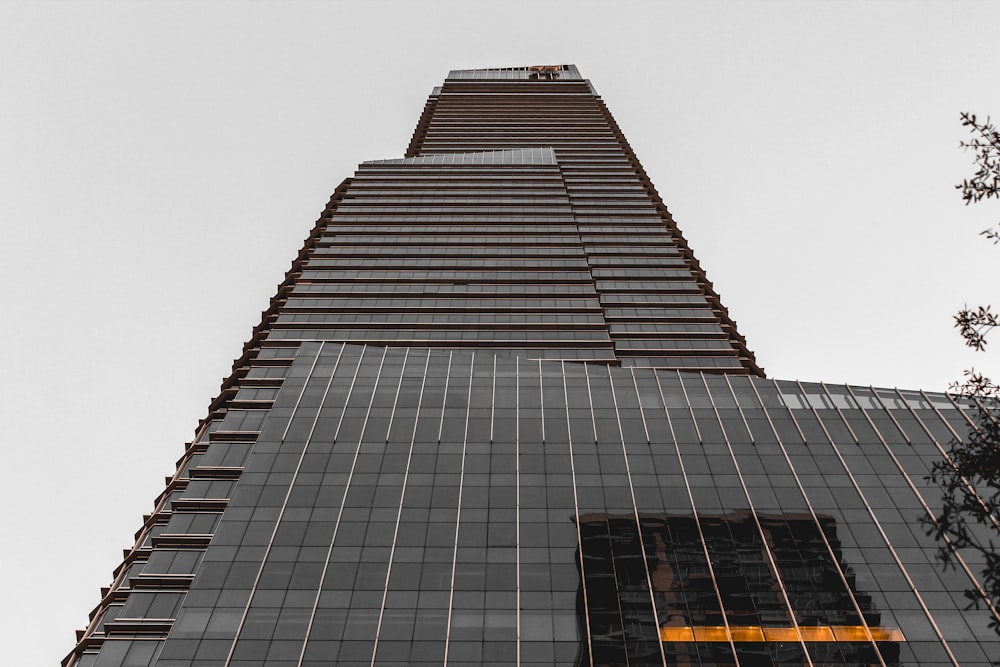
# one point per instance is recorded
(410, 465)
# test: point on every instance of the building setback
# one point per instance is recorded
(412, 465)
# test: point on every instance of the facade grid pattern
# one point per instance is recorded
(409, 465)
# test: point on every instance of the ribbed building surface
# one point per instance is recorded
(520, 221)
(410, 465)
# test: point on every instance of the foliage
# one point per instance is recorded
(975, 324)
(969, 474)
(975, 385)
(985, 183)
(970, 479)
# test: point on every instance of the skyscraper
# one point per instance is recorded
(496, 414)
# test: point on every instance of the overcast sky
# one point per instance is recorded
(161, 163)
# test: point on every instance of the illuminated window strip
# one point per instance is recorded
(758, 634)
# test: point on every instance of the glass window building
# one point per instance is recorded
(497, 415)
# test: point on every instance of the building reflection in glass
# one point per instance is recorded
(707, 610)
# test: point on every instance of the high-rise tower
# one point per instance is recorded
(411, 463)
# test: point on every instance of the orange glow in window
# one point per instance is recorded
(755, 633)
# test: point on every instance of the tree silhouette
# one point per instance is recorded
(985, 183)
(969, 473)
(970, 478)
(974, 324)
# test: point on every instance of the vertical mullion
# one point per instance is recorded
(340, 511)
(756, 520)
(941, 415)
(913, 412)
(888, 412)
(395, 398)
(284, 502)
(354, 381)
(933, 518)
(305, 385)
(517, 500)
(576, 514)
(635, 510)
(826, 541)
(541, 398)
(815, 412)
(987, 412)
(590, 402)
(868, 418)
(961, 411)
(739, 409)
(638, 398)
(888, 543)
(697, 520)
(493, 398)
(850, 430)
(791, 414)
(694, 420)
(940, 448)
(402, 493)
(444, 399)
(458, 512)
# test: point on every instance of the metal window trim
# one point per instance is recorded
(576, 513)
(739, 408)
(697, 522)
(638, 398)
(765, 547)
(826, 542)
(402, 495)
(638, 523)
(694, 420)
(291, 485)
(955, 553)
(891, 548)
(843, 417)
(458, 513)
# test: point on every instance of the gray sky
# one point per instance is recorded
(161, 163)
